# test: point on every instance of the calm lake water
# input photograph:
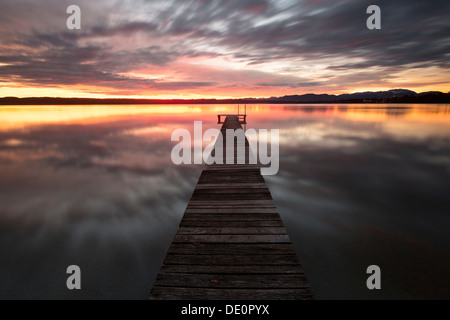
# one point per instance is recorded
(94, 186)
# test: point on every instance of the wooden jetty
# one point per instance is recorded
(231, 244)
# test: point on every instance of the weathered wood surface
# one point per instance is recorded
(186, 293)
(231, 244)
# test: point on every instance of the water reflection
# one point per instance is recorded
(94, 186)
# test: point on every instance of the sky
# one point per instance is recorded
(221, 48)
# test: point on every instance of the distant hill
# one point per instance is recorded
(390, 96)
(397, 93)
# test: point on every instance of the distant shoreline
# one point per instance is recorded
(357, 98)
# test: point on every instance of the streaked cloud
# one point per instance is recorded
(222, 48)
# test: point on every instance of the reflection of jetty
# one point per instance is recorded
(231, 244)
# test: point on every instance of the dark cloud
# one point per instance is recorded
(87, 65)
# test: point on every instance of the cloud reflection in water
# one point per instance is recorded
(358, 185)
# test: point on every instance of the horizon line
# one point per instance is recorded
(218, 99)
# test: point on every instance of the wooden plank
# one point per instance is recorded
(231, 216)
(236, 173)
(231, 249)
(230, 224)
(252, 172)
(227, 180)
(243, 218)
(230, 197)
(233, 186)
(211, 269)
(230, 191)
(231, 260)
(230, 231)
(225, 175)
(168, 293)
(231, 239)
(223, 211)
(233, 203)
(221, 194)
(222, 179)
(232, 281)
(237, 207)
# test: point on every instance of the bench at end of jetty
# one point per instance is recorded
(242, 118)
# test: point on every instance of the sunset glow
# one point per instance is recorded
(220, 49)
